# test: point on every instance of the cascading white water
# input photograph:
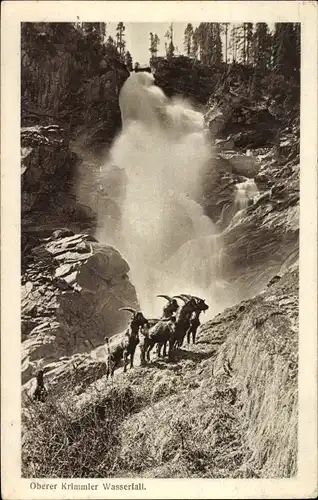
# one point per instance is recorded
(245, 191)
(171, 246)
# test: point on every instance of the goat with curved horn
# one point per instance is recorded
(188, 297)
(180, 297)
(165, 297)
(129, 309)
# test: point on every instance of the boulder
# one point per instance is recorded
(72, 288)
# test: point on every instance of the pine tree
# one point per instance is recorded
(204, 35)
(169, 44)
(249, 42)
(207, 41)
(217, 55)
(262, 47)
(233, 43)
(128, 61)
(111, 49)
(225, 30)
(199, 39)
(120, 37)
(188, 39)
(195, 44)
(98, 29)
(244, 36)
(154, 43)
(286, 56)
(242, 43)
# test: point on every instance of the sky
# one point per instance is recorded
(138, 40)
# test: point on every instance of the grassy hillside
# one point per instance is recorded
(226, 407)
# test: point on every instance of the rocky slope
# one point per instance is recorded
(226, 407)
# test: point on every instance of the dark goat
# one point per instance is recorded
(171, 307)
(159, 334)
(183, 316)
(127, 346)
(201, 306)
(169, 311)
(40, 393)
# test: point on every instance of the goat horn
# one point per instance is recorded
(130, 309)
(179, 297)
(165, 297)
(188, 297)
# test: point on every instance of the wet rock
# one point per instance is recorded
(242, 164)
(262, 237)
(218, 184)
(233, 116)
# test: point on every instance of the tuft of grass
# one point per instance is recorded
(61, 440)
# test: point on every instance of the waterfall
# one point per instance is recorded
(245, 192)
(170, 245)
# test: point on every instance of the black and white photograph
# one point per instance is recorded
(159, 251)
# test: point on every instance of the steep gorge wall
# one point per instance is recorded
(71, 80)
(72, 286)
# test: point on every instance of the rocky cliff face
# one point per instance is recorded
(72, 286)
(48, 199)
(186, 77)
(71, 79)
(72, 289)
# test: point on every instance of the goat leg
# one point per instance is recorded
(132, 359)
(189, 335)
(150, 346)
(142, 355)
(194, 333)
(164, 354)
(171, 345)
(125, 361)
